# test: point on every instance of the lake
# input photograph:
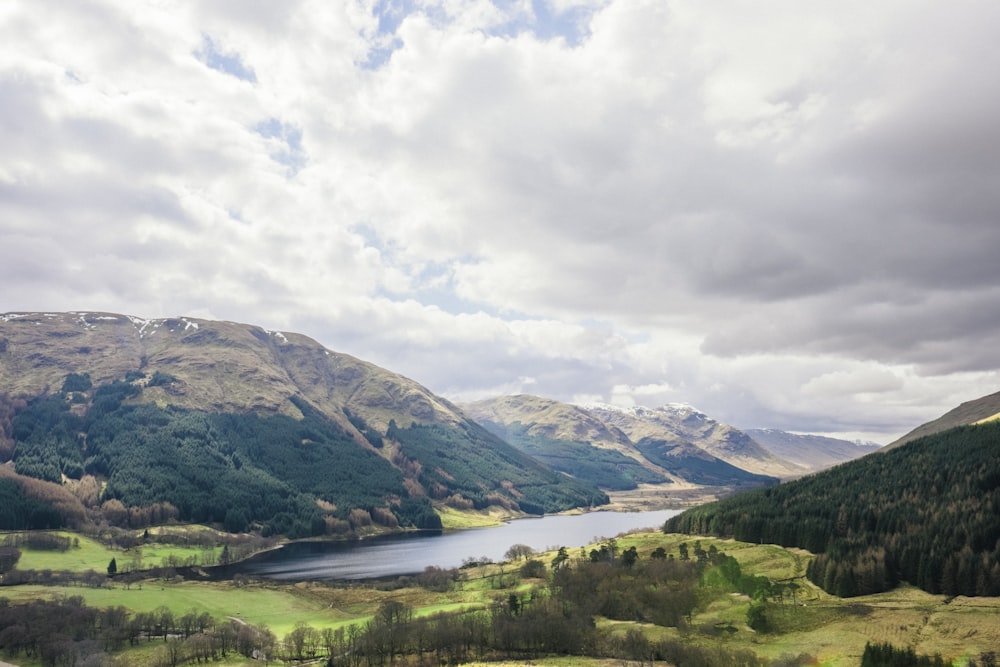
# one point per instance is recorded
(411, 553)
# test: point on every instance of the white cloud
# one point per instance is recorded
(783, 216)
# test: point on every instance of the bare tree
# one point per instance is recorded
(519, 551)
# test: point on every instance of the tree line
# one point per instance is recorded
(555, 615)
(469, 461)
(604, 468)
(927, 513)
(68, 632)
(272, 473)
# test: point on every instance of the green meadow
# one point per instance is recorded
(89, 554)
(831, 630)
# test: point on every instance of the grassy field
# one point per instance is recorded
(831, 630)
(278, 607)
(452, 519)
(89, 554)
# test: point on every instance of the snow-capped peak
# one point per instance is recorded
(642, 410)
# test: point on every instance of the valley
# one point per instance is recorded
(807, 626)
(139, 459)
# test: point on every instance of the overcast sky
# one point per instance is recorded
(784, 213)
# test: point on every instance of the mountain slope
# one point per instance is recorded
(681, 426)
(171, 410)
(568, 439)
(617, 448)
(812, 452)
(927, 512)
(970, 412)
(216, 366)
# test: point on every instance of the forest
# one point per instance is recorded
(238, 470)
(465, 460)
(927, 513)
(605, 468)
(272, 473)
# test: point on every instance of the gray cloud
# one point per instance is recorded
(787, 218)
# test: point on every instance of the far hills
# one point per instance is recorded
(619, 448)
(811, 452)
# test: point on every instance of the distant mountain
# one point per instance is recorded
(233, 423)
(618, 449)
(567, 438)
(811, 452)
(678, 426)
(971, 412)
(926, 512)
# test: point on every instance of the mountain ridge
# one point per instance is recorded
(562, 434)
(812, 452)
(97, 377)
(680, 424)
(974, 411)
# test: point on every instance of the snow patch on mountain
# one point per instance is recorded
(640, 411)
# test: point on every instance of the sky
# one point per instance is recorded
(786, 214)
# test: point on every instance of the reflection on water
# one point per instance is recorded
(395, 555)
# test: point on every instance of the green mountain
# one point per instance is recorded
(927, 512)
(230, 423)
(569, 439)
(618, 449)
(671, 430)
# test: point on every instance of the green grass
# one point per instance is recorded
(453, 519)
(149, 654)
(279, 608)
(89, 554)
(832, 630)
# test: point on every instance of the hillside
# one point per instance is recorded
(619, 449)
(231, 423)
(670, 428)
(927, 513)
(970, 412)
(812, 452)
(568, 439)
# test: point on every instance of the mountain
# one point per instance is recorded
(811, 452)
(569, 439)
(926, 512)
(971, 412)
(619, 449)
(672, 429)
(226, 422)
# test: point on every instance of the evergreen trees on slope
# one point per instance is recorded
(296, 477)
(927, 513)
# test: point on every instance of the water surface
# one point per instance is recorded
(411, 553)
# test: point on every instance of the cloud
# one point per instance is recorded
(784, 217)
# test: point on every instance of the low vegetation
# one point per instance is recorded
(927, 513)
(636, 599)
